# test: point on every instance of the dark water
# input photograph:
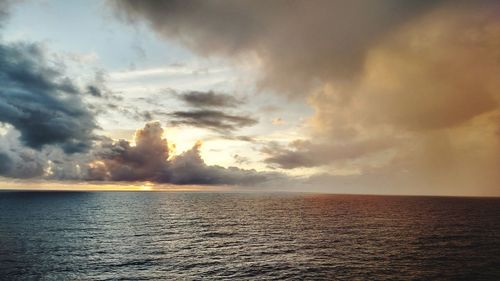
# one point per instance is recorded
(188, 236)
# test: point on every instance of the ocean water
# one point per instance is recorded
(231, 236)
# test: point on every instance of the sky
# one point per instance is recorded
(362, 97)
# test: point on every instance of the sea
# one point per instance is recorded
(246, 236)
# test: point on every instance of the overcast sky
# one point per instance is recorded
(378, 97)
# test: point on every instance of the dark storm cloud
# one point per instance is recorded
(40, 102)
(211, 119)
(209, 99)
(150, 160)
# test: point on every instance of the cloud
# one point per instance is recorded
(422, 75)
(150, 160)
(51, 162)
(239, 159)
(429, 165)
(307, 154)
(189, 168)
(44, 121)
(98, 88)
(204, 116)
(209, 99)
(144, 161)
(17, 161)
(94, 91)
(22, 164)
(211, 119)
(330, 39)
(147, 159)
(433, 83)
(4, 10)
(5, 163)
(39, 101)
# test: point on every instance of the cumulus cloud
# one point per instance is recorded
(143, 161)
(209, 99)
(189, 168)
(150, 160)
(211, 119)
(39, 101)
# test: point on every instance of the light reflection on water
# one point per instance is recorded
(135, 236)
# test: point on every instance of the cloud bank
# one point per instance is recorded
(150, 160)
(147, 159)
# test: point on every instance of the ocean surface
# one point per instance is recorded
(246, 236)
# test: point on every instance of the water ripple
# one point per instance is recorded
(225, 236)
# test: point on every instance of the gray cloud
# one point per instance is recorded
(241, 159)
(39, 101)
(5, 163)
(4, 10)
(94, 91)
(21, 164)
(150, 160)
(211, 119)
(189, 168)
(209, 99)
(99, 89)
(123, 162)
(51, 162)
(296, 41)
(18, 161)
(307, 154)
(48, 121)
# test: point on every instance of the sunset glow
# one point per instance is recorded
(363, 98)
